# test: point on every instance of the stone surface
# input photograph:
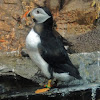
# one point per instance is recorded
(72, 18)
(20, 66)
(20, 78)
(10, 1)
(4, 24)
(18, 88)
(88, 42)
(88, 65)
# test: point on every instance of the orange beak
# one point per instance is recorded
(24, 17)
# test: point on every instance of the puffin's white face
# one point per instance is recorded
(40, 15)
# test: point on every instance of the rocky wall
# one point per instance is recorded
(72, 17)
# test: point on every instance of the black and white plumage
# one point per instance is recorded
(48, 51)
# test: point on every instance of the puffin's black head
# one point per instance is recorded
(41, 15)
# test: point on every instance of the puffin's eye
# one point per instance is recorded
(38, 12)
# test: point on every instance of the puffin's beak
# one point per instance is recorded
(27, 14)
(24, 17)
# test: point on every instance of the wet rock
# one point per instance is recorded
(12, 85)
(19, 88)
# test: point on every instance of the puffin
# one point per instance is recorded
(47, 50)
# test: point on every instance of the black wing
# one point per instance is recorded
(53, 52)
(65, 42)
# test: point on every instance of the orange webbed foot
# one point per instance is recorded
(48, 86)
(42, 90)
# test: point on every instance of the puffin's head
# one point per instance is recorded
(40, 15)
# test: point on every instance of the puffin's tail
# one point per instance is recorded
(66, 68)
(79, 77)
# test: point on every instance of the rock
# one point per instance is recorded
(10, 1)
(20, 73)
(54, 6)
(4, 24)
(87, 63)
(77, 19)
(12, 87)
(72, 18)
(22, 67)
(88, 42)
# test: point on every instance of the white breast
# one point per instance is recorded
(32, 41)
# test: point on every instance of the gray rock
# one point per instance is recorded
(13, 86)
(87, 63)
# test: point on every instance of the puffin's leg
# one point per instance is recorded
(47, 88)
(49, 84)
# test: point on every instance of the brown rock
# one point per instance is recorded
(10, 1)
(4, 26)
(73, 17)
(76, 21)
(88, 42)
